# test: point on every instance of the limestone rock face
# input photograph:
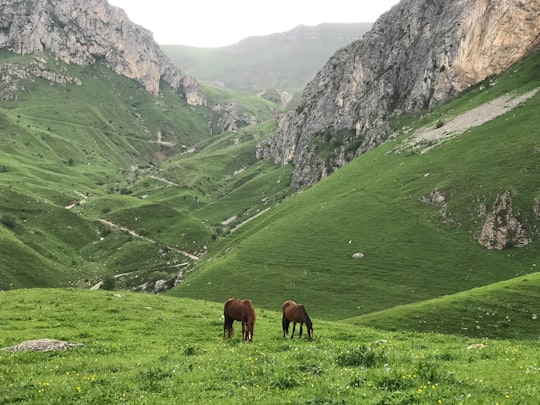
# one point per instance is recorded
(502, 228)
(417, 55)
(83, 31)
(231, 117)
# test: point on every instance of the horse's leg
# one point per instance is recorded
(285, 324)
(301, 326)
(227, 327)
(244, 333)
(293, 328)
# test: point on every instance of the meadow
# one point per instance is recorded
(393, 327)
(149, 349)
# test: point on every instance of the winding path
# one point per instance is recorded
(133, 233)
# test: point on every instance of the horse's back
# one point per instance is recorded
(295, 312)
(239, 309)
(287, 304)
(292, 310)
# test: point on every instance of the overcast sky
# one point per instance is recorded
(213, 23)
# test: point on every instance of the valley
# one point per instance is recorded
(395, 192)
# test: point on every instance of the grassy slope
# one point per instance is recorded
(302, 249)
(508, 309)
(149, 349)
(63, 141)
(96, 144)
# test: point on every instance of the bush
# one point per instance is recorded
(362, 356)
(283, 381)
(108, 283)
(9, 221)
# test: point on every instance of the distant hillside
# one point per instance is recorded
(285, 61)
(506, 310)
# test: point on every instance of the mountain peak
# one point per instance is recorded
(419, 54)
(84, 31)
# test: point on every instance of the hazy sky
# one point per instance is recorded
(211, 23)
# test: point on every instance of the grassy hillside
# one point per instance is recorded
(508, 309)
(148, 349)
(75, 154)
(412, 251)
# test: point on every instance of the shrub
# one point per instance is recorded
(9, 221)
(283, 381)
(362, 356)
(108, 282)
(428, 370)
(190, 351)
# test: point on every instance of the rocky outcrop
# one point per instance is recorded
(417, 55)
(84, 31)
(43, 345)
(231, 117)
(502, 228)
(14, 76)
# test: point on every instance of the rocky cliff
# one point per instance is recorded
(419, 54)
(83, 31)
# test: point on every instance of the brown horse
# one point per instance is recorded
(296, 313)
(239, 310)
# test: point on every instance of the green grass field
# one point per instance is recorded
(148, 349)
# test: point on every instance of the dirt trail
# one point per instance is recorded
(170, 183)
(427, 138)
(79, 202)
(132, 233)
(249, 219)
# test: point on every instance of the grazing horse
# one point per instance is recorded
(239, 310)
(296, 313)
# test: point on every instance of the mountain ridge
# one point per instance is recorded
(417, 55)
(284, 61)
(84, 31)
